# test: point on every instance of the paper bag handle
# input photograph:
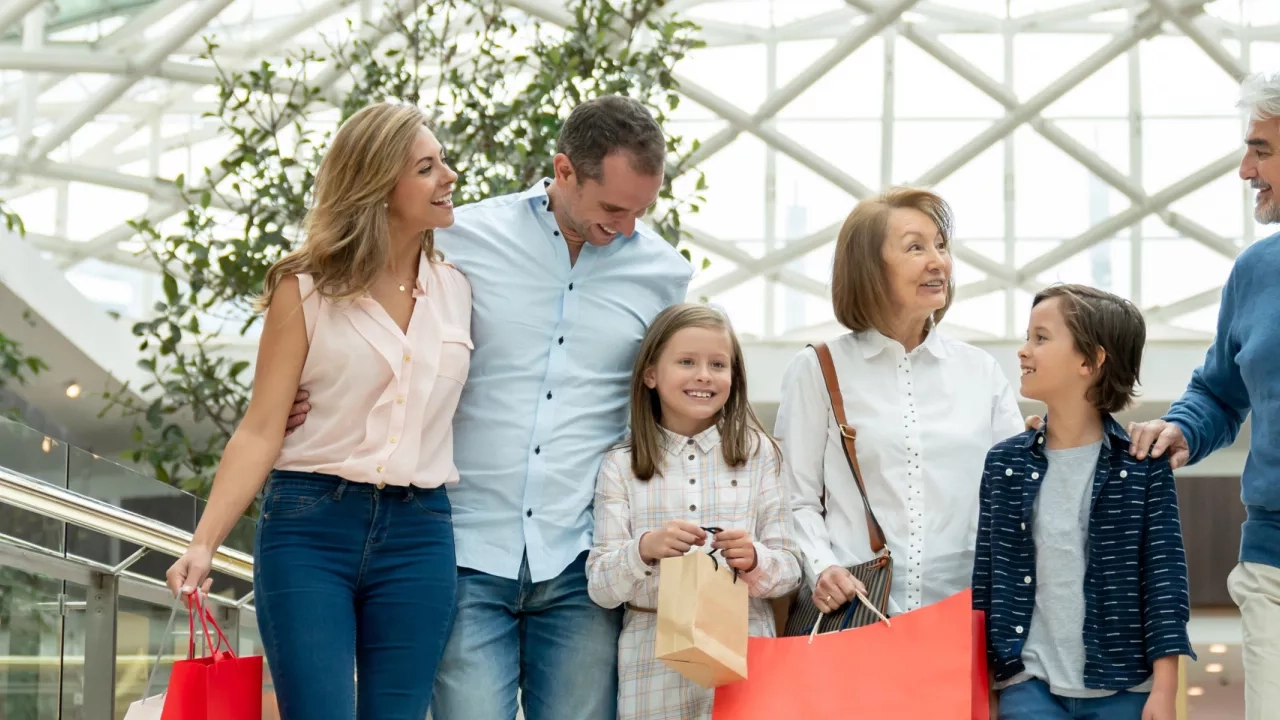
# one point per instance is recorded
(712, 554)
(206, 618)
(168, 630)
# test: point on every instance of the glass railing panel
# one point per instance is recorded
(116, 484)
(32, 453)
(96, 477)
(75, 598)
(140, 639)
(30, 639)
(241, 536)
(42, 654)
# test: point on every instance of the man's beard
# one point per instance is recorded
(1267, 213)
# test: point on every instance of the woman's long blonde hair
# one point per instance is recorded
(740, 429)
(346, 233)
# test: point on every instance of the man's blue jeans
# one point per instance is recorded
(354, 589)
(547, 639)
(1031, 700)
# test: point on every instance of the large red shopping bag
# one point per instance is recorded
(931, 664)
(221, 686)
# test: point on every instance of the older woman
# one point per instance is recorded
(925, 409)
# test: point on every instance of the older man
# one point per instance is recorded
(565, 279)
(1241, 373)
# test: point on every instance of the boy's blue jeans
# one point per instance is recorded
(1031, 700)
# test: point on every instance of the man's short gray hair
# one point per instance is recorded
(1260, 96)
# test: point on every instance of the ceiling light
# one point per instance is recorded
(1213, 667)
(73, 390)
(1218, 649)
(1196, 691)
(47, 444)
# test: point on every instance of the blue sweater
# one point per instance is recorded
(1241, 372)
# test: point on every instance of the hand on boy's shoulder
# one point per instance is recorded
(1158, 438)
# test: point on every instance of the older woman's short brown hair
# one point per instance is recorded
(859, 291)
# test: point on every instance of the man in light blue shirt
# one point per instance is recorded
(565, 279)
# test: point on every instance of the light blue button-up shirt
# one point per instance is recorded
(548, 390)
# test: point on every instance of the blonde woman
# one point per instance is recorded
(354, 571)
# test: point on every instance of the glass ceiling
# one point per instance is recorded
(1070, 148)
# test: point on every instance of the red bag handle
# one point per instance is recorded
(194, 605)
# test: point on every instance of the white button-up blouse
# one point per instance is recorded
(925, 421)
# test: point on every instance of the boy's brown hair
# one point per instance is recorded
(1099, 320)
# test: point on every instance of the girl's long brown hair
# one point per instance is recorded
(346, 235)
(740, 429)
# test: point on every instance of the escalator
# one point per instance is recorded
(84, 544)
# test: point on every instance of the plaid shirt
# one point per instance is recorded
(1135, 588)
(694, 483)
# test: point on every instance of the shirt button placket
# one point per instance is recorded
(692, 493)
(915, 500)
(396, 423)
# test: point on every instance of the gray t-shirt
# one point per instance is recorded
(1054, 651)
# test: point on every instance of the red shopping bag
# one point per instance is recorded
(930, 665)
(219, 687)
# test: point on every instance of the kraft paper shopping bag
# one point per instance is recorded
(702, 619)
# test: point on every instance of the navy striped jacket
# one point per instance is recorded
(1135, 587)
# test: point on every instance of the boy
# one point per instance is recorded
(1079, 564)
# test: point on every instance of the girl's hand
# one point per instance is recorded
(737, 548)
(673, 540)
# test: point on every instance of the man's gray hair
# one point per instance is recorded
(1260, 96)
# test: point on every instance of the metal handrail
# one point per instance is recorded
(25, 492)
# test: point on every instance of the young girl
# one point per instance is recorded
(697, 457)
(1079, 563)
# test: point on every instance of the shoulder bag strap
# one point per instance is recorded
(848, 435)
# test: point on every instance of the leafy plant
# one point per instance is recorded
(499, 87)
(16, 365)
(12, 222)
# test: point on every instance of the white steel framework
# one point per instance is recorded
(822, 100)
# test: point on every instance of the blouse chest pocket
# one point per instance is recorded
(455, 355)
(730, 497)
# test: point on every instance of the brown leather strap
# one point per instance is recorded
(639, 609)
(849, 435)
